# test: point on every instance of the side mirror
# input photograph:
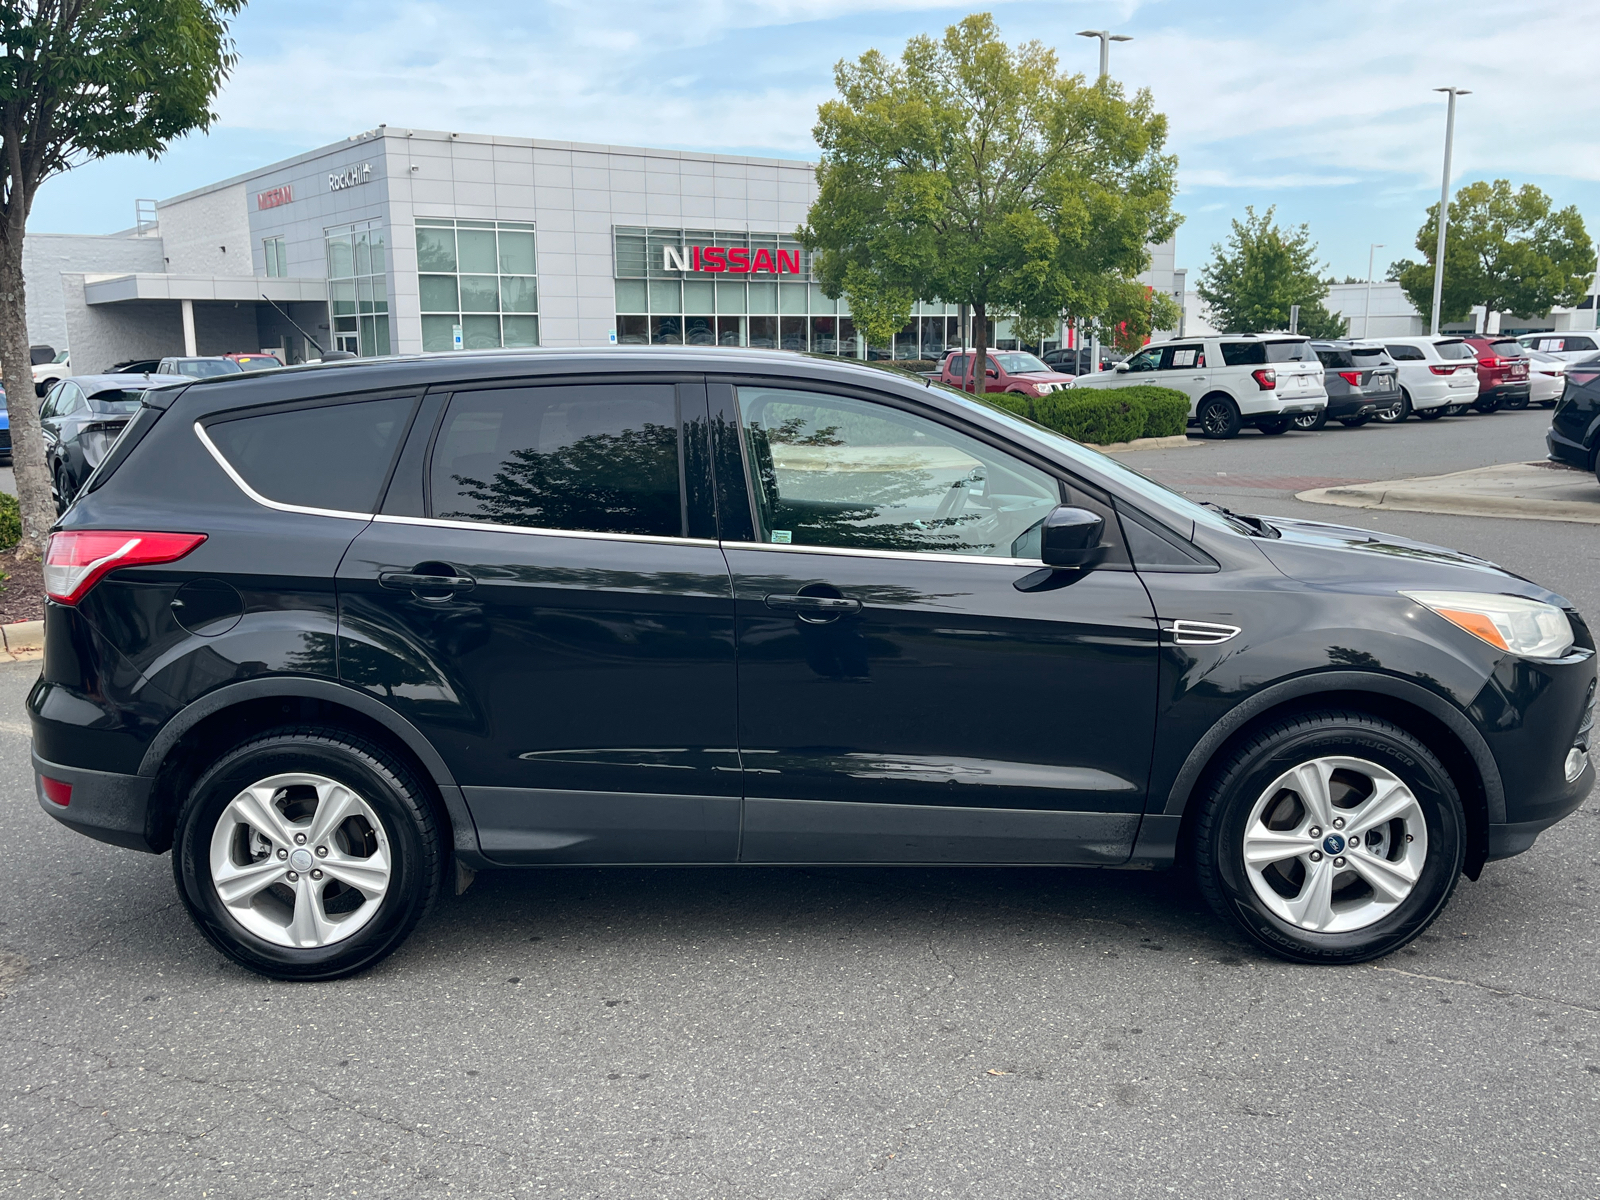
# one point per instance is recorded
(991, 373)
(1071, 538)
(1121, 368)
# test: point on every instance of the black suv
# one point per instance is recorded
(1362, 382)
(340, 636)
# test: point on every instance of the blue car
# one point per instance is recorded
(5, 428)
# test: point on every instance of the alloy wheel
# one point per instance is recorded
(1335, 844)
(300, 860)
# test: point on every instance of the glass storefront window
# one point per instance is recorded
(358, 289)
(481, 275)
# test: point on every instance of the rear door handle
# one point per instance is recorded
(421, 585)
(814, 609)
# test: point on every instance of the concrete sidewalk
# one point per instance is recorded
(1533, 491)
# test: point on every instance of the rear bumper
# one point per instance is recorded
(1342, 408)
(1565, 450)
(105, 806)
(1502, 392)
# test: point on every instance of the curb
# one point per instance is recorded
(1403, 494)
(1160, 443)
(23, 641)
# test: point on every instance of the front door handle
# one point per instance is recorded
(427, 587)
(816, 610)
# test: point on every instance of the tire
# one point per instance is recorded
(1273, 426)
(1349, 904)
(1396, 412)
(1355, 422)
(1456, 410)
(58, 490)
(1310, 422)
(1517, 404)
(1432, 414)
(297, 921)
(1218, 417)
(1487, 406)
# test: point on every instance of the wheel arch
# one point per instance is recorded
(1437, 723)
(1217, 393)
(193, 738)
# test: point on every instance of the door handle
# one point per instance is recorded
(815, 610)
(427, 587)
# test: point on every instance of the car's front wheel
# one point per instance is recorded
(1310, 422)
(1331, 837)
(307, 855)
(1486, 406)
(1218, 417)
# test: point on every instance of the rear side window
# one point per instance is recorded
(1296, 351)
(1243, 354)
(1455, 350)
(1407, 353)
(958, 366)
(596, 458)
(334, 457)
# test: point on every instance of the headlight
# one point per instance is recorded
(1530, 628)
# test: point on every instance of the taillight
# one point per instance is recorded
(77, 559)
(1444, 368)
(1582, 378)
(1353, 378)
(1266, 378)
(1494, 362)
(56, 791)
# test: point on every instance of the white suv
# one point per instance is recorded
(1568, 346)
(1438, 377)
(1232, 380)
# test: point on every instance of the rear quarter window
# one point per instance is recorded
(1407, 354)
(1455, 350)
(1336, 358)
(1296, 351)
(335, 456)
(1243, 354)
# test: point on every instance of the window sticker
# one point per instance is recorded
(1183, 358)
(782, 536)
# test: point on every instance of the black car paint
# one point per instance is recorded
(592, 699)
(1574, 434)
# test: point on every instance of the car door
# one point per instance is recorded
(913, 685)
(58, 419)
(543, 596)
(1184, 367)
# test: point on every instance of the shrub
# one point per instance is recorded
(1098, 417)
(10, 521)
(1166, 409)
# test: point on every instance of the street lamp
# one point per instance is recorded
(1106, 38)
(1444, 201)
(1366, 312)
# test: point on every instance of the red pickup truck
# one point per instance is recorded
(1007, 371)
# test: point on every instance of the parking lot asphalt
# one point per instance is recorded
(829, 1033)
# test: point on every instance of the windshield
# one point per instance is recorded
(204, 368)
(1290, 352)
(62, 357)
(1178, 506)
(119, 400)
(1018, 364)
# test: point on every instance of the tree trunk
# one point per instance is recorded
(27, 444)
(980, 342)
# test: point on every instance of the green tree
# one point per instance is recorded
(1251, 282)
(976, 173)
(1511, 251)
(82, 80)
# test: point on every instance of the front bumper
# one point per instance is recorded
(105, 806)
(1565, 450)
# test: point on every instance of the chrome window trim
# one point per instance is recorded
(912, 555)
(540, 531)
(278, 505)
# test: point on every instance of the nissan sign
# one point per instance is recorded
(733, 259)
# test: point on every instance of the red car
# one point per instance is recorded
(1503, 380)
(1007, 371)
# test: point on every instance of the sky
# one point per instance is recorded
(1324, 110)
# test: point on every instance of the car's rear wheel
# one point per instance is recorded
(1310, 422)
(1516, 403)
(1432, 414)
(1396, 412)
(1354, 422)
(1487, 405)
(1218, 417)
(1273, 426)
(1331, 837)
(1455, 410)
(307, 855)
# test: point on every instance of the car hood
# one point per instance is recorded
(1045, 376)
(1367, 560)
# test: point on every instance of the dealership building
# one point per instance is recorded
(402, 240)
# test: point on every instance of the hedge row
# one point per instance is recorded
(10, 521)
(1102, 416)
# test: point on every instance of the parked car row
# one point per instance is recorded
(1278, 382)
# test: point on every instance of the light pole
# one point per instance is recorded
(1366, 312)
(1444, 201)
(1106, 38)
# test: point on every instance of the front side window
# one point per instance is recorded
(336, 456)
(600, 458)
(839, 472)
(1145, 360)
